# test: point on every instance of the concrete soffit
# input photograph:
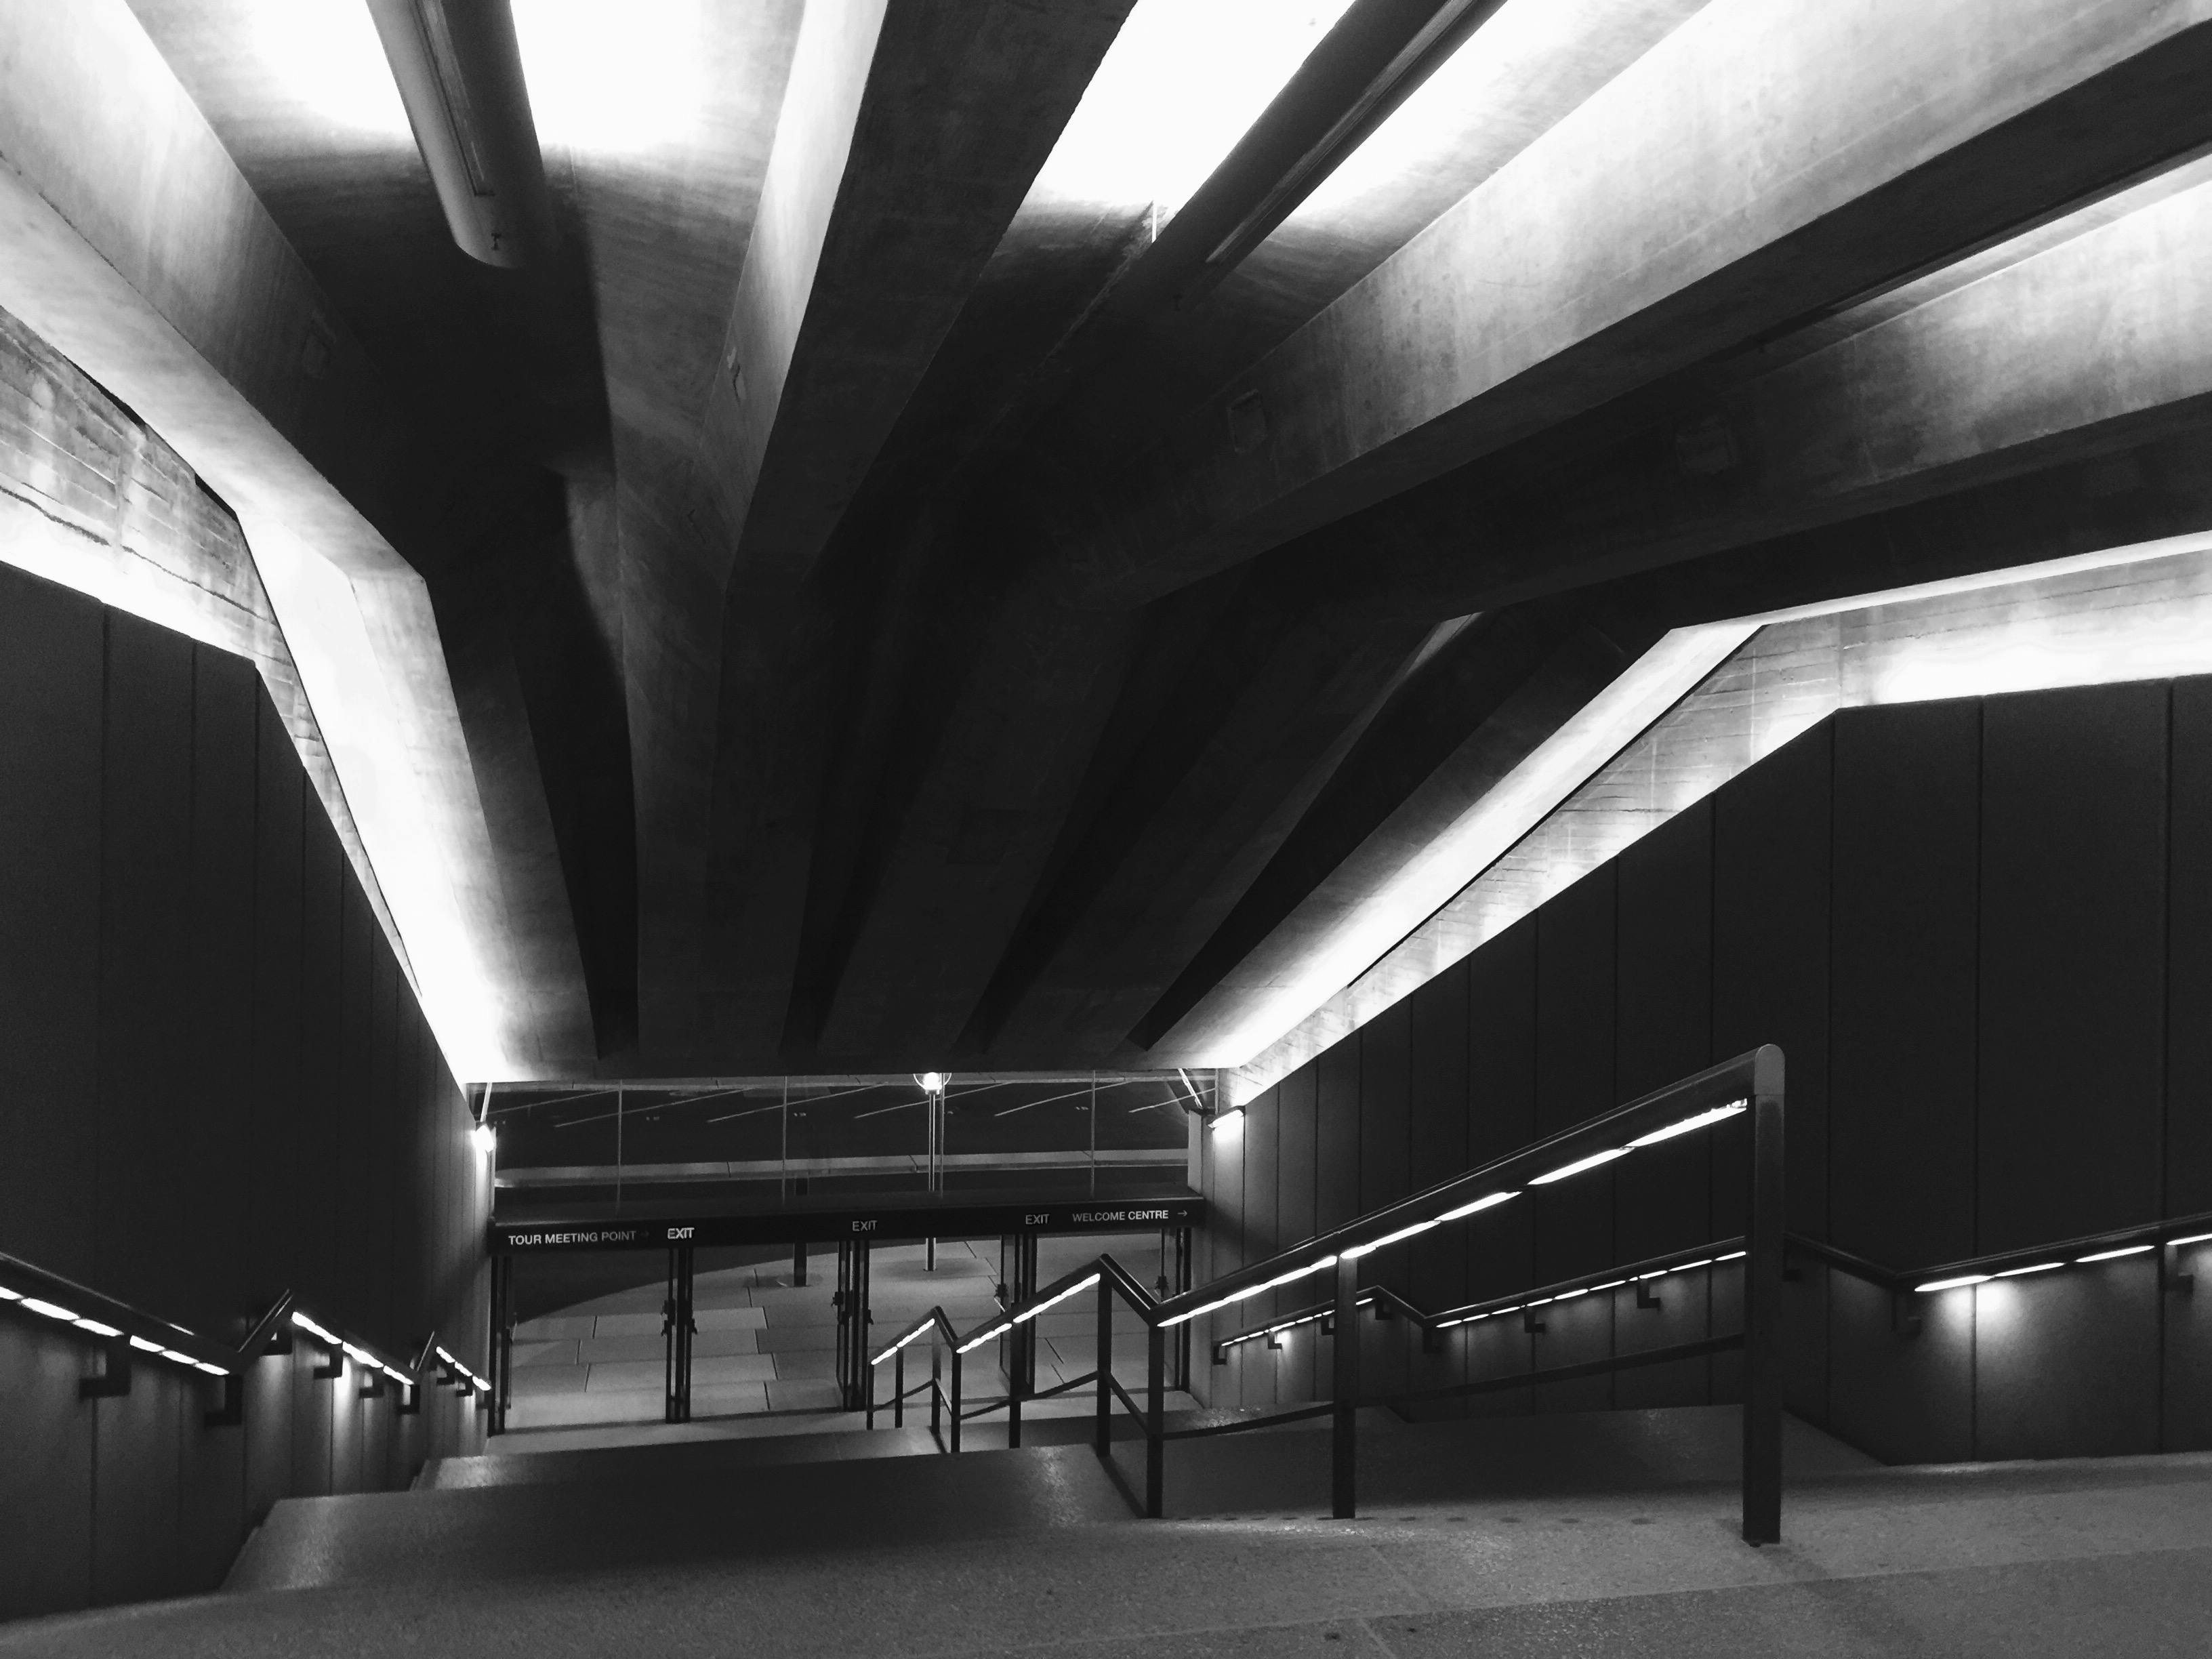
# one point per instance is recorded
(1637, 756)
(131, 245)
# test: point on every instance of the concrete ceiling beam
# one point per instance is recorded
(1759, 165)
(1259, 718)
(910, 132)
(2089, 336)
(1488, 701)
(133, 245)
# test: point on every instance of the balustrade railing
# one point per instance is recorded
(1750, 1085)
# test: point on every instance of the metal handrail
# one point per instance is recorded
(126, 1334)
(1751, 1083)
(1434, 1324)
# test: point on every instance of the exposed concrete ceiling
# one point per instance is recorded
(882, 600)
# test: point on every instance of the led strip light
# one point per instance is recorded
(91, 1327)
(1961, 1281)
(1353, 1252)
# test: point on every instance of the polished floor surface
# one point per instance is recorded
(765, 1343)
(1596, 1535)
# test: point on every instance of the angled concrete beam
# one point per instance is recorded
(2053, 406)
(2094, 335)
(131, 243)
(1760, 164)
(909, 134)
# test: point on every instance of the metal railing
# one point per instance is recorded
(1907, 1285)
(1750, 1084)
(126, 1336)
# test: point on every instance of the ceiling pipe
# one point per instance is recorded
(460, 71)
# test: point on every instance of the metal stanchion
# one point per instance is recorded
(1344, 1419)
(1762, 1309)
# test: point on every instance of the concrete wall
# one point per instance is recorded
(215, 1086)
(1981, 931)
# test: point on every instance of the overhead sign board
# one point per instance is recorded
(824, 1226)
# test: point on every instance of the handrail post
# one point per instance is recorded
(955, 1402)
(1014, 1369)
(936, 1391)
(1762, 1310)
(1344, 1417)
(898, 1389)
(1156, 1345)
(1103, 1441)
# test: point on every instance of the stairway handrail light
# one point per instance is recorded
(1031, 1313)
(1480, 1204)
(51, 1310)
(1734, 1109)
(2111, 1256)
(2037, 1268)
(313, 1329)
(1353, 1252)
(1578, 1166)
(1959, 1283)
(95, 1327)
(2193, 1238)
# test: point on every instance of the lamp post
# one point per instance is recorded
(933, 1088)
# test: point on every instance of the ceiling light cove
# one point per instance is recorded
(1183, 81)
(612, 81)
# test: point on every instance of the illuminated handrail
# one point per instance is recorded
(1720, 1091)
(1751, 1083)
(1433, 1325)
(128, 1333)
(1907, 1285)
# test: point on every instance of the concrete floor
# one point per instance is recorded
(1594, 1536)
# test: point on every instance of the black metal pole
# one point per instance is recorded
(898, 1389)
(1762, 1310)
(687, 1328)
(1155, 1446)
(1103, 1442)
(668, 1342)
(955, 1402)
(1344, 1421)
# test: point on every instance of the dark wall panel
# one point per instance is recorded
(212, 1099)
(145, 941)
(1436, 1111)
(1575, 992)
(2189, 956)
(1771, 868)
(279, 1211)
(1336, 1142)
(1501, 1252)
(1297, 1149)
(1663, 1025)
(1981, 931)
(2072, 962)
(215, 1086)
(1907, 876)
(45, 1479)
(52, 649)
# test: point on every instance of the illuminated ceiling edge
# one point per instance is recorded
(1482, 834)
(1330, 1020)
